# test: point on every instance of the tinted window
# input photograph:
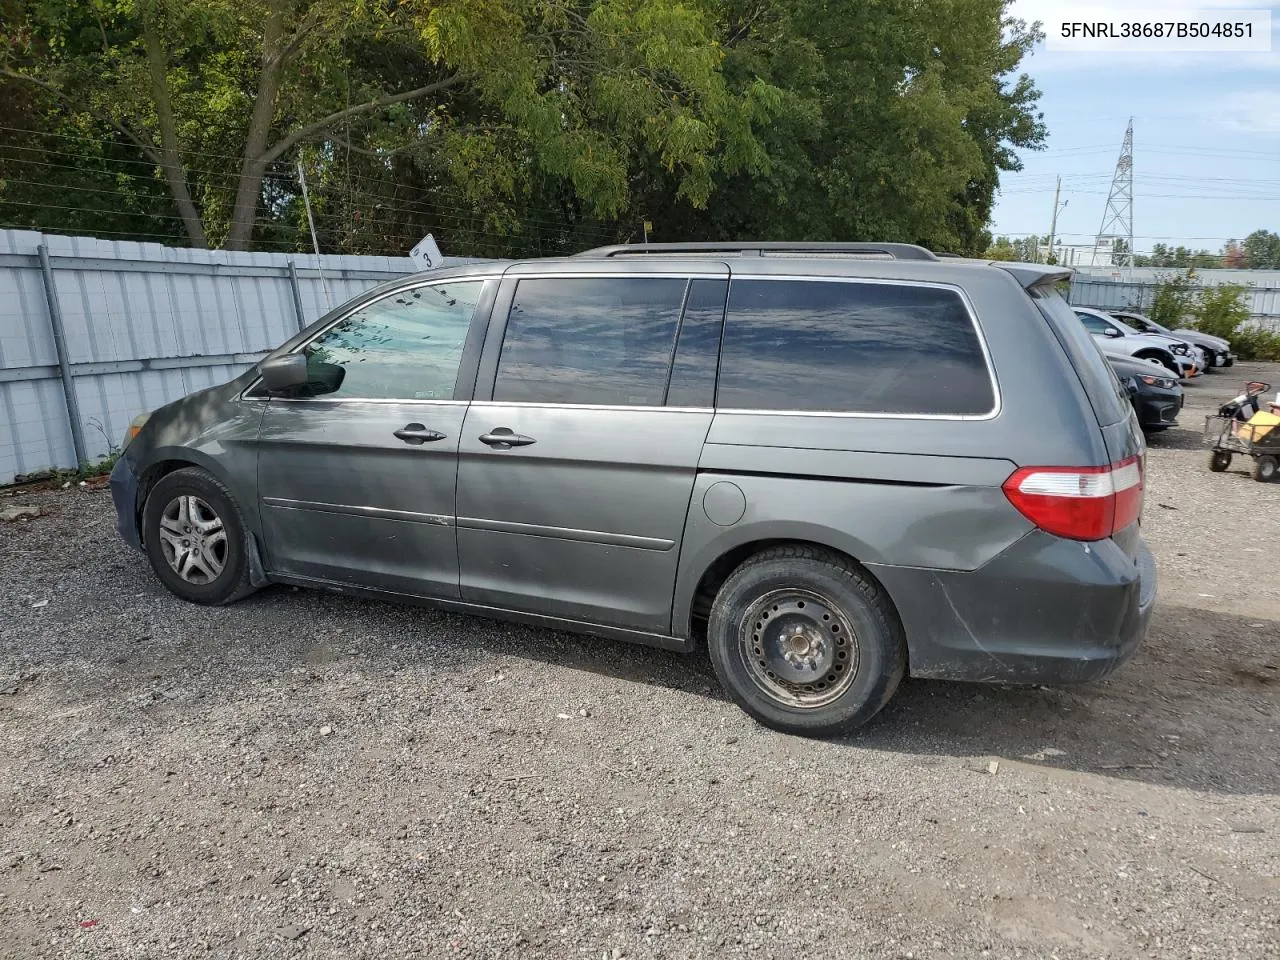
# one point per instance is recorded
(407, 346)
(693, 377)
(591, 341)
(856, 347)
(1109, 401)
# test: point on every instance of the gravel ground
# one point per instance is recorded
(314, 776)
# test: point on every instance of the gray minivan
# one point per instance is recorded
(832, 464)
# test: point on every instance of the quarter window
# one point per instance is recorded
(605, 341)
(855, 347)
(406, 346)
(693, 377)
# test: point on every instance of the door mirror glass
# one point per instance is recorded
(284, 374)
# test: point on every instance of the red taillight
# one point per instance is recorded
(1080, 503)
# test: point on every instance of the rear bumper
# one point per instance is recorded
(124, 495)
(1047, 610)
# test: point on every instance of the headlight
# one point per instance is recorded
(1180, 348)
(1162, 382)
(135, 426)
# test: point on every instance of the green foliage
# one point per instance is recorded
(1174, 299)
(1223, 311)
(1220, 310)
(1262, 250)
(513, 127)
(1022, 250)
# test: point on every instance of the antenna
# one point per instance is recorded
(315, 242)
(1117, 219)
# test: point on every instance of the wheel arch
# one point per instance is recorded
(712, 568)
(165, 461)
(1157, 353)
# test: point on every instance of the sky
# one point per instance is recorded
(1206, 133)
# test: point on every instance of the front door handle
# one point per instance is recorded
(416, 434)
(504, 438)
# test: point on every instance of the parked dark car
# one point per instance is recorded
(1217, 351)
(832, 465)
(1157, 396)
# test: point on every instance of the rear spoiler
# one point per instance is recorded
(1034, 274)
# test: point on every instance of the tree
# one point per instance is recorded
(893, 121)
(1233, 256)
(1262, 250)
(1001, 249)
(188, 81)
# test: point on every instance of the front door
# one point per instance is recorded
(356, 480)
(575, 477)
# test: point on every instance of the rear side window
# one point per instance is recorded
(1106, 396)
(1093, 324)
(856, 347)
(605, 341)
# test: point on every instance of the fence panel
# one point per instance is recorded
(144, 325)
(1087, 291)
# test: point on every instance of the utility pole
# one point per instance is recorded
(1053, 224)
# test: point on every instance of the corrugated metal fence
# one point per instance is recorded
(140, 325)
(1086, 291)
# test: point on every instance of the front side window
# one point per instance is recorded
(406, 346)
(855, 347)
(599, 341)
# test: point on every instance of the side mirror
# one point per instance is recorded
(1131, 387)
(1112, 332)
(281, 374)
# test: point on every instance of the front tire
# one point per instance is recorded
(1219, 460)
(196, 538)
(805, 642)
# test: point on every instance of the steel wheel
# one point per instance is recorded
(799, 648)
(193, 539)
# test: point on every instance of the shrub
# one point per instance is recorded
(1221, 311)
(1174, 299)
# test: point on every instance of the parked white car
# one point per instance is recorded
(1118, 340)
(1217, 351)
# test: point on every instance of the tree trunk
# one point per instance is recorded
(171, 157)
(253, 166)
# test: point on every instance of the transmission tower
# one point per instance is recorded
(1117, 219)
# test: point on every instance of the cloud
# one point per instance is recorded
(1247, 111)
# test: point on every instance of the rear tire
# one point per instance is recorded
(805, 642)
(196, 538)
(1219, 460)
(1265, 469)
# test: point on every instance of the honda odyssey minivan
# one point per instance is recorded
(829, 465)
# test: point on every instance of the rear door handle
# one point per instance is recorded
(416, 434)
(504, 438)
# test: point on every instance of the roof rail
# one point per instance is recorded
(890, 251)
